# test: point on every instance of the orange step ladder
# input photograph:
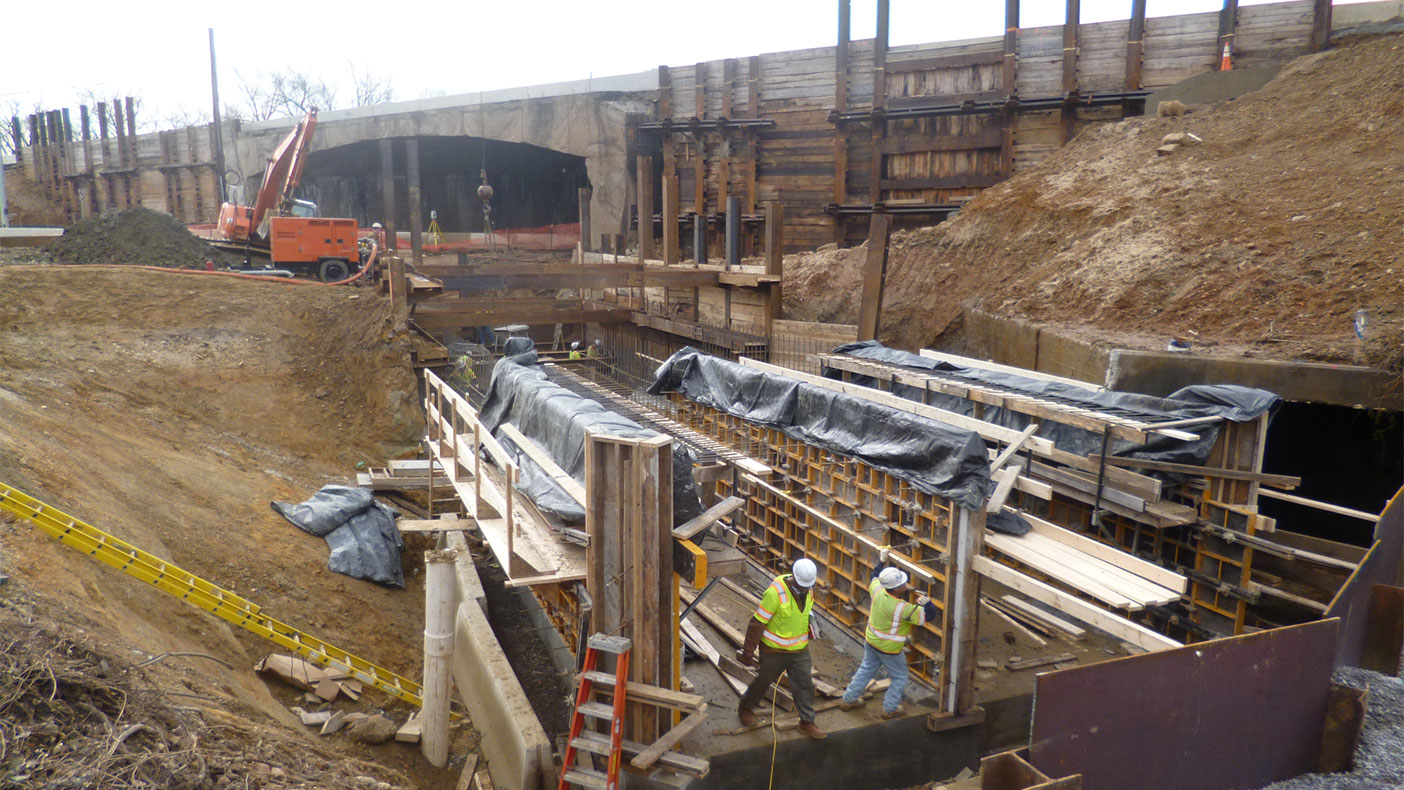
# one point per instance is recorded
(585, 706)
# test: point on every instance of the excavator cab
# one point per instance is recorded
(303, 208)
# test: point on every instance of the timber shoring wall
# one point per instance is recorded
(807, 161)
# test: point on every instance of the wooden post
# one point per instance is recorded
(879, 131)
(399, 296)
(670, 220)
(1069, 114)
(440, 605)
(699, 161)
(1320, 24)
(699, 239)
(583, 195)
(1135, 35)
(845, 16)
(645, 203)
(1228, 29)
(874, 272)
(1009, 83)
(387, 193)
(416, 207)
(133, 178)
(963, 611)
(733, 232)
(774, 263)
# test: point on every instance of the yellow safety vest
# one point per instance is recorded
(576, 355)
(891, 620)
(786, 625)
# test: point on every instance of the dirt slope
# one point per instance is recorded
(1264, 239)
(169, 409)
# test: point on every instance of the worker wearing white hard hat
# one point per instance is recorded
(575, 352)
(890, 624)
(781, 628)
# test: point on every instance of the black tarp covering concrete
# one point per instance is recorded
(1232, 402)
(936, 458)
(361, 532)
(556, 419)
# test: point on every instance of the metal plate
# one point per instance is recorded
(1233, 713)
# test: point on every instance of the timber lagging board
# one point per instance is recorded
(810, 159)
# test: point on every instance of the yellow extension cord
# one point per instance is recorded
(774, 733)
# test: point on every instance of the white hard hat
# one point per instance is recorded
(575, 344)
(892, 578)
(805, 573)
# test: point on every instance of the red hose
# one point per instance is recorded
(375, 252)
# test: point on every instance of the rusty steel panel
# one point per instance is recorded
(1240, 712)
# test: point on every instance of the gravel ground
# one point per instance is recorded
(1379, 757)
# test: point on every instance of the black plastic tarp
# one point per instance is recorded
(1232, 402)
(556, 419)
(936, 458)
(361, 532)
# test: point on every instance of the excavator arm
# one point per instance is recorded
(280, 180)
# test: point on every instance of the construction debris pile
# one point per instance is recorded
(136, 236)
(72, 716)
(1263, 240)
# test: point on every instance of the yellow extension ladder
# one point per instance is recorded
(197, 592)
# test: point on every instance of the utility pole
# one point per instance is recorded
(217, 131)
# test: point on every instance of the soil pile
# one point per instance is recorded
(136, 236)
(1264, 239)
(169, 408)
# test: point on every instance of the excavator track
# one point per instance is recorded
(188, 587)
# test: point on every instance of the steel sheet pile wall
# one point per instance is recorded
(103, 164)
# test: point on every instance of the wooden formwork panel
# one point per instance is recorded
(817, 504)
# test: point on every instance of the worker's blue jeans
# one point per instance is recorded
(896, 666)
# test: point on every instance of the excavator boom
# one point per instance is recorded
(280, 179)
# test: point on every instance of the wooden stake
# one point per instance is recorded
(874, 272)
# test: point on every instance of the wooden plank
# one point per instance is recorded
(547, 464)
(1312, 503)
(1163, 577)
(1004, 483)
(644, 197)
(1013, 447)
(1097, 587)
(919, 143)
(986, 430)
(1028, 634)
(649, 756)
(972, 180)
(1039, 661)
(710, 516)
(874, 274)
(1280, 481)
(1117, 626)
(1050, 620)
(988, 57)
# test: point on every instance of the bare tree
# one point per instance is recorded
(371, 87)
(280, 93)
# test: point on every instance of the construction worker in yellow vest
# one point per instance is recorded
(575, 352)
(890, 624)
(782, 629)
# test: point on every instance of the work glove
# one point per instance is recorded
(882, 555)
(922, 600)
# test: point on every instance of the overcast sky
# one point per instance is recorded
(158, 49)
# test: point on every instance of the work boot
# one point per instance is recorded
(854, 705)
(747, 717)
(901, 710)
(812, 730)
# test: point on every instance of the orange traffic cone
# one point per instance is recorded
(1226, 64)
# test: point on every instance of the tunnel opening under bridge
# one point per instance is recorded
(533, 186)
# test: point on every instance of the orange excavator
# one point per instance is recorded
(286, 230)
